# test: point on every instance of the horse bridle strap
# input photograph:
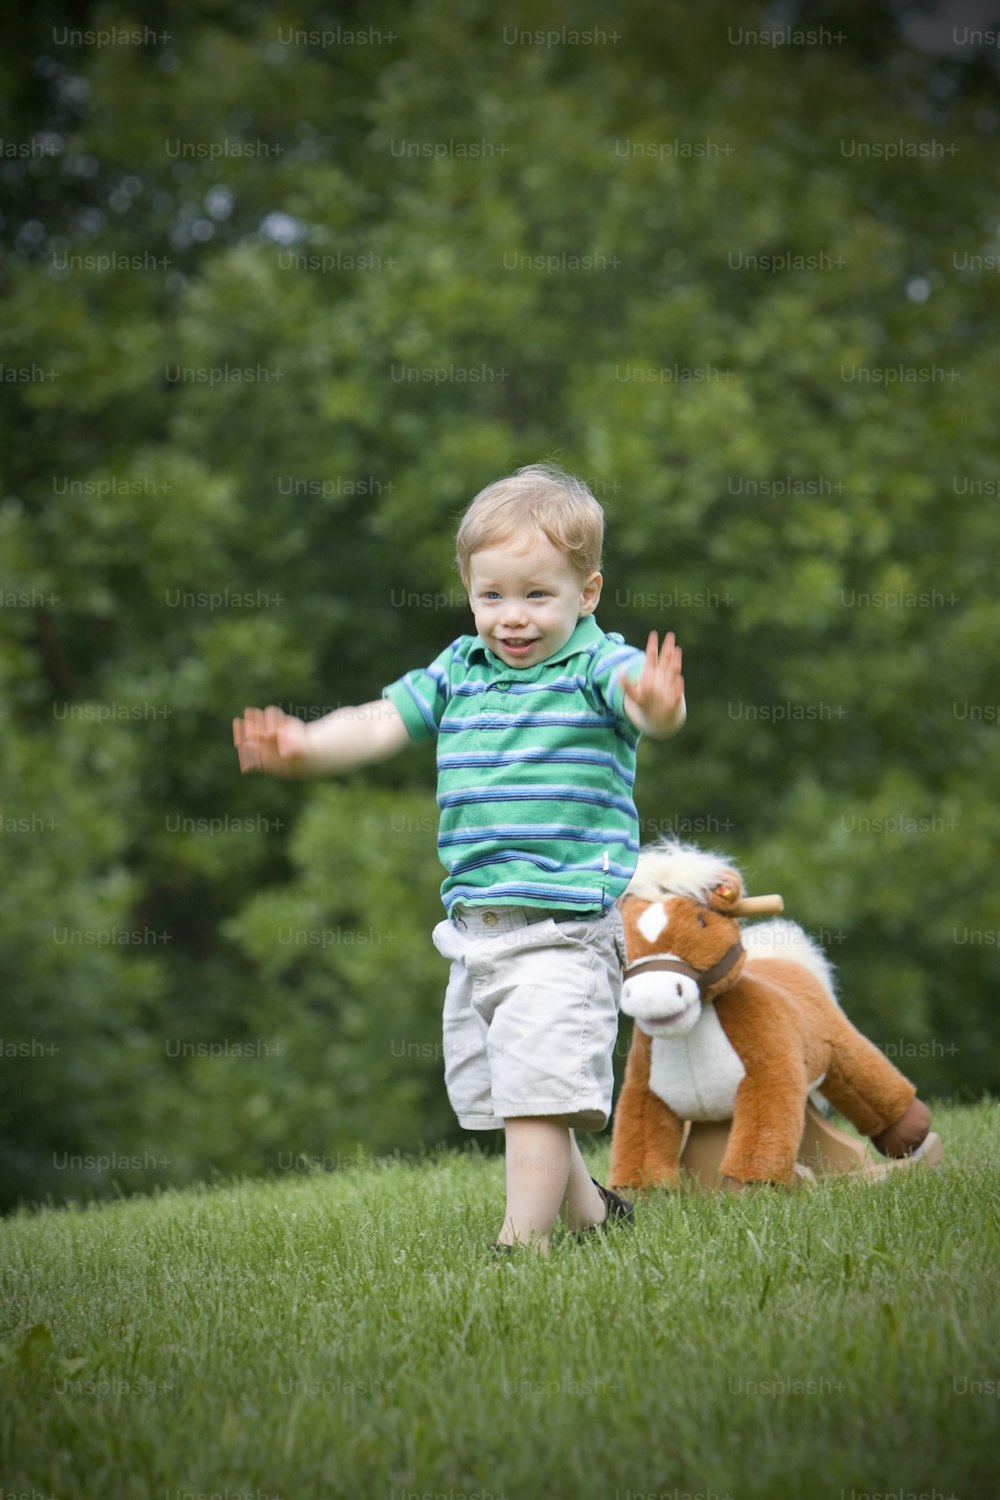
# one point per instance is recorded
(705, 977)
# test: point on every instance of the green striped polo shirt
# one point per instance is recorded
(535, 770)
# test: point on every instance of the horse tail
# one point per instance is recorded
(782, 939)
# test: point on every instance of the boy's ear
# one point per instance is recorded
(591, 593)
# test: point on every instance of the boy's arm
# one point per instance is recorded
(274, 742)
(655, 700)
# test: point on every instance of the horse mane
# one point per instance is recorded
(670, 868)
(779, 938)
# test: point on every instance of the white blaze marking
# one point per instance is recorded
(653, 921)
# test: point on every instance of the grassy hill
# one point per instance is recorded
(344, 1334)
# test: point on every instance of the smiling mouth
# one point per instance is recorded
(669, 1020)
(517, 642)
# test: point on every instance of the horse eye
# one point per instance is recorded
(702, 921)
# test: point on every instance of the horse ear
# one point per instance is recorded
(726, 893)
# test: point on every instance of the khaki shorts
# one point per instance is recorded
(530, 1014)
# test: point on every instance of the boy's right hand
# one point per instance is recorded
(271, 741)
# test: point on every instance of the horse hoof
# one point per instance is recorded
(909, 1131)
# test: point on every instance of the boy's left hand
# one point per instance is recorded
(655, 700)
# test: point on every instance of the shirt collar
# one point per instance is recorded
(587, 633)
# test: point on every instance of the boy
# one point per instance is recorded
(537, 718)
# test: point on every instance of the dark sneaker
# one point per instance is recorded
(620, 1211)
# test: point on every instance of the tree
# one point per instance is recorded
(344, 284)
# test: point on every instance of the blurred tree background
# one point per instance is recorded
(282, 288)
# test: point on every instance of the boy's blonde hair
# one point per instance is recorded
(538, 497)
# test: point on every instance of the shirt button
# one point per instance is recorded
(490, 918)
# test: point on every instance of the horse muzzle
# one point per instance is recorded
(665, 995)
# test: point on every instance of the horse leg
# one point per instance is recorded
(873, 1094)
(767, 1127)
(646, 1137)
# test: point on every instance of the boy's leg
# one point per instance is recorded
(583, 1205)
(545, 1173)
(549, 1002)
(538, 1163)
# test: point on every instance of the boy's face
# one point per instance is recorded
(527, 599)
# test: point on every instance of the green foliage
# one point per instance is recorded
(345, 1334)
(224, 483)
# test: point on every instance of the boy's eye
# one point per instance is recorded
(537, 594)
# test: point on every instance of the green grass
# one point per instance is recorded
(343, 1334)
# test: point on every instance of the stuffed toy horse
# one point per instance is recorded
(742, 1027)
